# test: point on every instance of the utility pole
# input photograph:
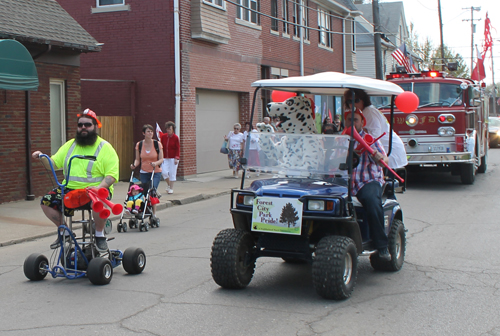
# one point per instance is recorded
(376, 39)
(441, 33)
(473, 30)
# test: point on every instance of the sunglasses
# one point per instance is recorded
(87, 124)
(237, 128)
(357, 100)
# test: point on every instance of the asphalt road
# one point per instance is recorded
(449, 285)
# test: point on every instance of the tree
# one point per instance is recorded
(289, 214)
(431, 55)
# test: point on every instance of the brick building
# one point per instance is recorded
(192, 62)
(43, 35)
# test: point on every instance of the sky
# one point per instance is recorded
(457, 33)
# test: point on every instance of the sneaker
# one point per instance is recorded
(235, 176)
(248, 176)
(135, 211)
(384, 254)
(101, 244)
(56, 244)
(170, 191)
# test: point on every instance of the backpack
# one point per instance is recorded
(155, 143)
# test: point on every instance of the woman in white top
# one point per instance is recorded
(376, 125)
(253, 149)
(236, 144)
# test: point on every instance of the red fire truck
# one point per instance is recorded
(449, 130)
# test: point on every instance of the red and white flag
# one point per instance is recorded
(158, 132)
(478, 74)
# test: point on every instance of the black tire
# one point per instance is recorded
(397, 249)
(231, 260)
(119, 227)
(335, 267)
(100, 271)
(146, 227)
(34, 265)
(467, 173)
(125, 229)
(131, 223)
(484, 164)
(157, 222)
(134, 260)
(141, 226)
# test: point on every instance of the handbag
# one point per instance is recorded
(223, 148)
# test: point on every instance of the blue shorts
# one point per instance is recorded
(146, 177)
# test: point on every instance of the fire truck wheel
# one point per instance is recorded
(484, 164)
(467, 173)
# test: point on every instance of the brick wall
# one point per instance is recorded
(139, 46)
(13, 175)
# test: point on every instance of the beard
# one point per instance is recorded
(87, 139)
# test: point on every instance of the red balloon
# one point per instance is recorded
(407, 102)
(281, 96)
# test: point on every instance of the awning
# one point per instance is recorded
(17, 68)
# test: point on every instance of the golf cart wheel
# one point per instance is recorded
(134, 260)
(119, 227)
(35, 267)
(397, 249)
(335, 267)
(100, 271)
(232, 262)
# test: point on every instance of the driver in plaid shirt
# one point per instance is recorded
(368, 180)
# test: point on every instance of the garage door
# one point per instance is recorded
(216, 113)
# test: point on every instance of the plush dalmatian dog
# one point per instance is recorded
(304, 153)
(296, 115)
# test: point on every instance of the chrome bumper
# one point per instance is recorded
(435, 158)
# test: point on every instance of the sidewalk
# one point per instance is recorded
(24, 220)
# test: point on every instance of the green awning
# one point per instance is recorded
(17, 68)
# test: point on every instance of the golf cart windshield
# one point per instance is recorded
(300, 155)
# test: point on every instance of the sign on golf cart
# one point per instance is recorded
(302, 208)
(278, 215)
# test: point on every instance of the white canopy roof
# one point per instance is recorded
(330, 83)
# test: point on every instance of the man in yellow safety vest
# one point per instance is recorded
(101, 173)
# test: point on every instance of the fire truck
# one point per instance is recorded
(449, 130)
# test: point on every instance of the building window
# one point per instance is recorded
(274, 14)
(300, 18)
(324, 26)
(110, 2)
(247, 14)
(216, 3)
(57, 114)
(353, 36)
(286, 29)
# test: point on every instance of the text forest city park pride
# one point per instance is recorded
(278, 215)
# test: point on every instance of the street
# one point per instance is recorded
(449, 284)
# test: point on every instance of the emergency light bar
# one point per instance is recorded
(426, 73)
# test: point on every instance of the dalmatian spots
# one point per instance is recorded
(295, 113)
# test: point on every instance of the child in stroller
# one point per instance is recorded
(139, 203)
(135, 199)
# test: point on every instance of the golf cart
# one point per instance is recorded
(304, 212)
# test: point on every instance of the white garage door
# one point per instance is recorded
(216, 113)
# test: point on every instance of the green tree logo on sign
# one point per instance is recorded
(289, 215)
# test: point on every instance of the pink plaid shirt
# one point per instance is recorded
(367, 170)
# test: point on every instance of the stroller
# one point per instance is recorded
(145, 211)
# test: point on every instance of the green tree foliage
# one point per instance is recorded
(288, 215)
(430, 55)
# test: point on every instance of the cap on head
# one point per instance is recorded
(357, 111)
(90, 114)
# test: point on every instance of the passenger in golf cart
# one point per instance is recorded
(368, 180)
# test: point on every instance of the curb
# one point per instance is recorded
(161, 206)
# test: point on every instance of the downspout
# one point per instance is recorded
(177, 68)
(343, 46)
(301, 16)
(29, 181)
